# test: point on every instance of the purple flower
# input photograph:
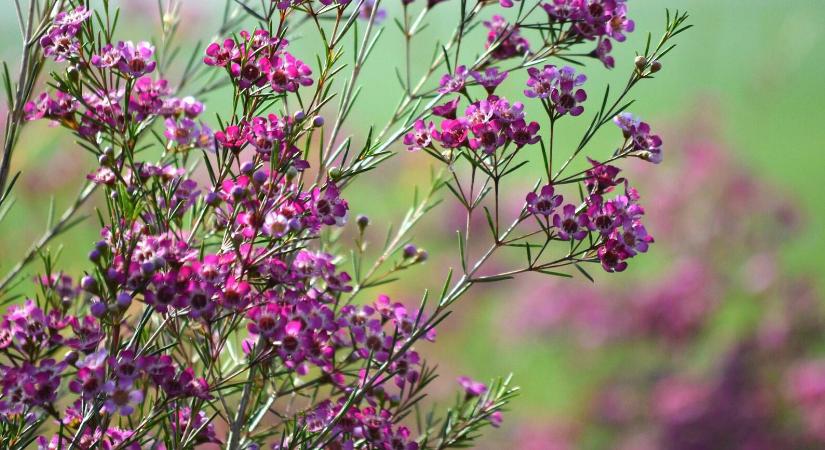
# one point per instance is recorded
(490, 79)
(121, 397)
(564, 97)
(455, 82)
(507, 39)
(220, 55)
(287, 73)
(136, 60)
(601, 178)
(61, 43)
(619, 23)
(75, 17)
(366, 11)
(522, 133)
(453, 133)
(328, 207)
(489, 136)
(569, 225)
(612, 255)
(541, 82)
(602, 52)
(109, 56)
(634, 237)
(471, 387)
(420, 137)
(544, 202)
(642, 143)
(447, 110)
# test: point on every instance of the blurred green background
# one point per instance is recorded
(756, 68)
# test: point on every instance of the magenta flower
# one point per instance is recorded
(643, 144)
(220, 55)
(619, 24)
(287, 73)
(420, 137)
(489, 136)
(447, 110)
(570, 225)
(522, 133)
(601, 178)
(541, 82)
(507, 39)
(490, 79)
(328, 207)
(455, 82)
(602, 52)
(61, 43)
(453, 133)
(233, 138)
(564, 96)
(544, 202)
(471, 387)
(75, 17)
(634, 237)
(136, 59)
(366, 11)
(121, 397)
(109, 56)
(612, 255)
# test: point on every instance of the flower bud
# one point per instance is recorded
(98, 309)
(410, 251)
(212, 199)
(299, 115)
(103, 160)
(73, 74)
(259, 177)
(101, 245)
(421, 255)
(640, 62)
(362, 221)
(334, 173)
(71, 357)
(317, 121)
(655, 66)
(124, 300)
(94, 255)
(88, 283)
(247, 167)
(291, 173)
(147, 267)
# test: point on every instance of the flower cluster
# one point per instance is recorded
(258, 59)
(558, 86)
(217, 300)
(598, 20)
(486, 126)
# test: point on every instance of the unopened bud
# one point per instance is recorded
(124, 300)
(98, 309)
(655, 66)
(410, 251)
(299, 115)
(362, 221)
(317, 121)
(291, 173)
(73, 74)
(88, 283)
(421, 255)
(334, 173)
(247, 167)
(640, 62)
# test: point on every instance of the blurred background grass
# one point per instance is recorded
(754, 67)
